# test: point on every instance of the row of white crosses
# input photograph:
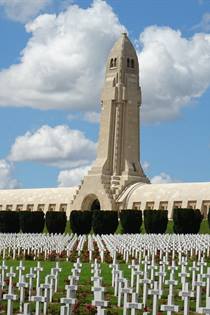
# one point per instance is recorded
(136, 245)
(97, 289)
(70, 299)
(44, 292)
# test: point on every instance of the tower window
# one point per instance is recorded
(128, 62)
(111, 63)
(132, 63)
(115, 62)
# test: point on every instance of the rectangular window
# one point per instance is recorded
(205, 208)
(19, 208)
(137, 205)
(52, 207)
(8, 207)
(163, 205)
(30, 207)
(63, 207)
(177, 204)
(1, 207)
(150, 205)
(191, 204)
(40, 207)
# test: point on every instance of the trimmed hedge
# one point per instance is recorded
(186, 221)
(56, 222)
(9, 222)
(104, 222)
(155, 221)
(81, 222)
(32, 222)
(131, 221)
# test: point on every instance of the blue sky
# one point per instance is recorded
(52, 60)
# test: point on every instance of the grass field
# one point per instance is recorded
(84, 295)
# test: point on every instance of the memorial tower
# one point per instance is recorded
(117, 164)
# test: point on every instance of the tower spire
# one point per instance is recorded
(117, 163)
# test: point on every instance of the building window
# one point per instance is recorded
(1, 207)
(19, 208)
(137, 205)
(128, 62)
(132, 63)
(30, 207)
(40, 207)
(52, 207)
(9, 207)
(150, 205)
(177, 204)
(191, 204)
(115, 62)
(63, 207)
(134, 166)
(163, 205)
(205, 208)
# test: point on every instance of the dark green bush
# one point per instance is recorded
(186, 221)
(56, 222)
(32, 221)
(9, 222)
(81, 222)
(104, 222)
(131, 221)
(155, 221)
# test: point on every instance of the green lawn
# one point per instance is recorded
(84, 294)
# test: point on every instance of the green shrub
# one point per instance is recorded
(104, 222)
(81, 221)
(155, 221)
(56, 222)
(9, 222)
(186, 220)
(131, 221)
(32, 221)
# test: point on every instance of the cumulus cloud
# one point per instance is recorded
(204, 25)
(174, 71)
(73, 177)
(92, 117)
(23, 10)
(6, 177)
(145, 166)
(57, 146)
(163, 178)
(62, 65)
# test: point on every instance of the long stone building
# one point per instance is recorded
(116, 180)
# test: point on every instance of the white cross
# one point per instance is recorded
(133, 305)
(10, 297)
(22, 285)
(155, 292)
(38, 299)
(186, 295)
(170, 308)
(198, 284)
(31, 275)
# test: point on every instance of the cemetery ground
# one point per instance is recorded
(84, 294)
(144, 274)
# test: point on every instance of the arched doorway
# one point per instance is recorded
(95, 205)
(91, 202)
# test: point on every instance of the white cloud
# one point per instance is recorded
(62, 65)
(174, 71)
(163, 178)
(204, 25)
(23, 10)
(6, 178)
(92, 117)
(59, 146)
(73, 177)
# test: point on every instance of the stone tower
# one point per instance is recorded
(117, 163)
